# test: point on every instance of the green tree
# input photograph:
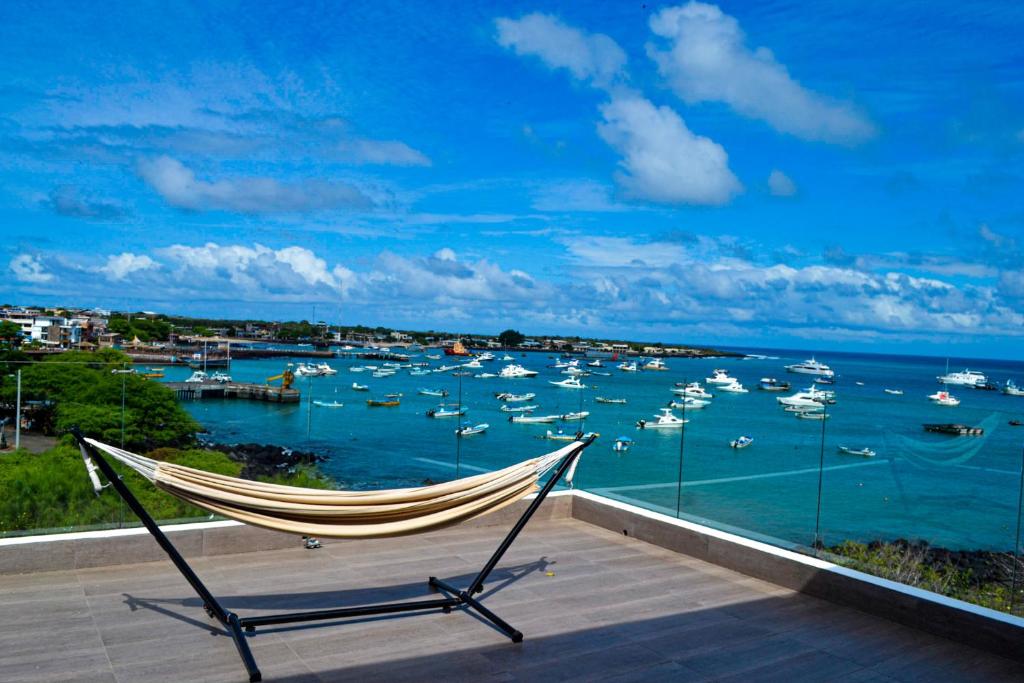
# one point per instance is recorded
(511, 338)
(10, 334)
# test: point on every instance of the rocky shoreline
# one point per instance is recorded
(264, 460)
(984, 566)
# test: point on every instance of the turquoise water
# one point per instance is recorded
(958, 492)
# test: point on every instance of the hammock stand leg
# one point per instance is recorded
(235, 624)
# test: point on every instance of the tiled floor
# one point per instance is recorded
(593, 606)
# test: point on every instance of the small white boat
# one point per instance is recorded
(574, 416)
(474, 364)
(1011, 389)
(720, 377)
(655, 364)
(864, 452)
(622, 444)
(198, 377)
(689, 403)
(811, 415)
(733, 388)
(419, 373)
(741, 442)
(665, 420)
(627, 366)
(518, 409)
(944, 398)
(359, 387)
(693, 390)
(596, 363)
(514, 398)
(357, 368)
(564, 436)
(804, 409)
(434, 356)
(326, 369)
(532, 419)
(445, 410)
(383, 373)
(602, 399)
(893, 392)
(569, 383)
(859, 384)
(507, 358)
(439, 393)
(329, 404)
(469, 430)
(484, 375)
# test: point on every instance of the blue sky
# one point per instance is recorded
(833, 175)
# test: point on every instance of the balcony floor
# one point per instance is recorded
(615, 609)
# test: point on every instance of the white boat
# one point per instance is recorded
(864, 452)
(307, 370)
(689, 403)
(811, 367)
(220, 378)
(968, 378)
(474, 364)
(893, 392)
(357, 368)
(434, 356)
(569, 383)
(693, 390)
(627, 366)
(484, 375)
(811, 415)
(574, 371)
(719, 377)
(772, 384)
(564, 436)
(574, 416)
(469, 430)
(944, 398)
(507, 358)
(622, 444)
(419, 373)
(602, 399)
(804, 409)
(515, 371)
(733, 387)
(811, 399)
(515, 398)
(596, 363)
(566, 363)
(518, 409)
(1011, 389)
(532, 419)
(383, 373)
(485, 356)
(326, 369)
(445, 410)
(198, 377)
(665, 420)
(329, 404)
(655, 364)
(439, 393)
(359, 387)
(741, 442)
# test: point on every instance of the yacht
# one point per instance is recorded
(627, 366)
(968, 378)
(569, 383)
(720, 377)
(514, 371)
(325, 369)
(485, 356)
(693, 390)
(944, 398)
(811, 367)
(810, 398)
(655, 364)
(665, 420)
(733, 387)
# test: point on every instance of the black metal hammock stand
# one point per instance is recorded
(235, 625)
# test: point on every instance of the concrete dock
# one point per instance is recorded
(193, 391)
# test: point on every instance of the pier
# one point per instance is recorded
(193, 391)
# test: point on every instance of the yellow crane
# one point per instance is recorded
(286, 377)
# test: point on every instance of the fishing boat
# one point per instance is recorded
(944, 398)
(456, 349)
(656, 364)
(198, 377)
(438, 393)
(693, 390)
(602, 399)
(447, 410)
(360, 387)
(514, 398)
(864, 452)
(811, 367)
(733, 388)
(574, 416)
(772, 384)
(741, 442)
(622, 444)
(1011, 389)
(893, 392)
(569, 383)
(665, 420)
(470, 429)
(720, 377)
(329, 404)
(627, 366)
(514, 371)
(389, 403)
(518, 409)
(532, 419)
(953, 429)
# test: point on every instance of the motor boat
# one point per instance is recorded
(689, 403)
(438, 393)
(436, 356)
(893, 392)
(1011, 389)
(811, 415)
(519, 409)
(803, 409)
(359, 387)
(474, 364)
(326, 369)
(864, 452)
(563, 436)
(470, 429)
(307, 370)
(622, 444)
(515, 371)
(665, 420)
(602, 399)
(383, 373)
(484, 375)
(693, 390)
(809, 398)
(741, 442)
(569, 383)
(772, 384)
(507, 358)
(329, 404)
(596, 363)
(198, 377)
(389, 403)
(574, 416)
(720, 377)
(574, 371)
(220, 377)
(811, 367)
(655, 364)
(830, 380)
(561, 364)
(444, 368)
(419, 373)
(627, 366)
(944, 398)
(733, 387)
(532, 419)
(485, 356)
(514, 398)
(447, 410)
(968, 378)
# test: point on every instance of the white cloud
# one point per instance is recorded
(384, 153)
(180, 187)
(705, 59)
(587, 56)
(28, 268)
(663, 160)
(780, 184)
(576, 195)
(120, 266)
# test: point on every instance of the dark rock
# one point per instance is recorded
(262, 460)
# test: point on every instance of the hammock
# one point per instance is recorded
(343, 514)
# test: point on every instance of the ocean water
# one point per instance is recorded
(957, 492)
